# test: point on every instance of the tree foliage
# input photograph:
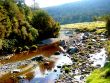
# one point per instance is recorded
(108, 26)
(81, 11)
(20, 26)
(105, 18)
(45, 24)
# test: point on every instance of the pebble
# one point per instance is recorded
(82, 66)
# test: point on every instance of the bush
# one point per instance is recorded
(26, 48)
(19, 49)
(18, 23)
(1, 44)
(45, 24)
(33, 35)
(9, 44)
(34, 47)
(5, 24)
(108, 26)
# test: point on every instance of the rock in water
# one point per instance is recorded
(57, 53)
(62, 49)
(72, 50)
(39, 58)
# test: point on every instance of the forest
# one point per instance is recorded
(81, 11)
(20, 24)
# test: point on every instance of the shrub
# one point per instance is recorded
(45, 24)
(34, 47)
(1, 44)
(108, 26)
(19, 49)
(33, 35)
(26, 48)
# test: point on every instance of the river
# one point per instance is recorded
(50, 69)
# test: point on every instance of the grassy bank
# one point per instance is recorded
(87, 26)
(107, 46)
(100, 75)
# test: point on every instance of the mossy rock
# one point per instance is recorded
(89, 46)
(67, 70)
(75, 59)
(82, 53)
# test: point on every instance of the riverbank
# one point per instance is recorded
(85, 43)
(101, 75)
(82, 63)
(29, 54)
(24, 62)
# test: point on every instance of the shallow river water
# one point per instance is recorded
(44, 74)
(50, 70)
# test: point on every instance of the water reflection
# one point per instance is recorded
(48, 71)
(47, 65)
(43, 72)
(46, 50)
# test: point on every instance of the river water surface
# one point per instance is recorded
(49, 70)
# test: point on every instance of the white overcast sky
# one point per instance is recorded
(47, 3)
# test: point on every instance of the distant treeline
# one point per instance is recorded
(82, 11)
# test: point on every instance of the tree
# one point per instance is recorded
(45, 24)
(108, 26)
(35, 6)
(5, 24)
(20, 1)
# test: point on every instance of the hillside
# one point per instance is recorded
(82, 11)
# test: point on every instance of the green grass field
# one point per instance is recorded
(85, 25)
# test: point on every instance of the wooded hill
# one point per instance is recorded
(81, 11)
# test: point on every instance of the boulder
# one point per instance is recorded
(93, 40)
(86, 34)
(98, 66)
(47, 63)
(21, 77)
(57, 53)
(62, 42)
(62, 49)
(39, 58)
(72, 50)
(55, 70)
(16, 71)
(58, 66)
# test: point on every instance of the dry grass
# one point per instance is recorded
(85, 25)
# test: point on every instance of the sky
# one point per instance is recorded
(48, 3)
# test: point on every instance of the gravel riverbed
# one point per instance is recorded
(82, 64)
(85, 44)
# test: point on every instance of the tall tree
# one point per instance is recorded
(45, 24)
